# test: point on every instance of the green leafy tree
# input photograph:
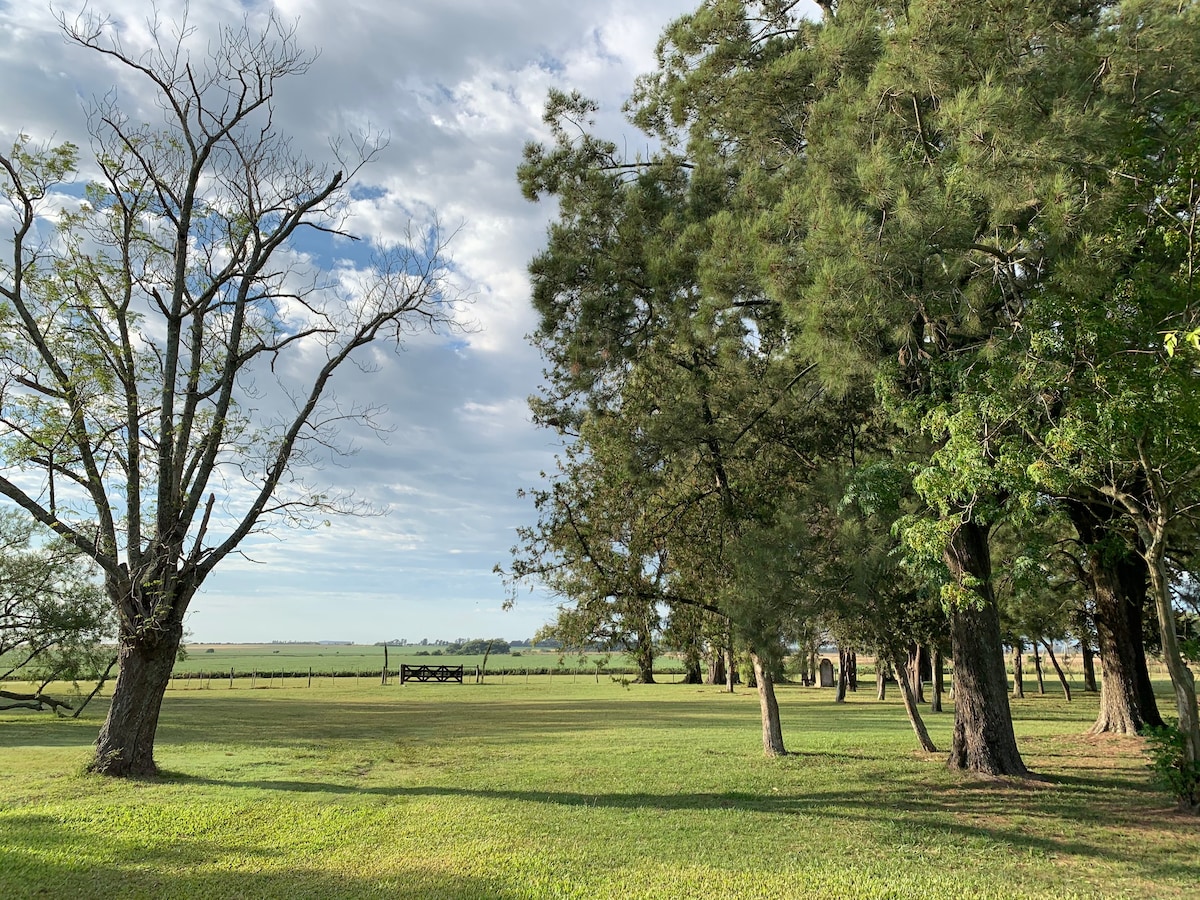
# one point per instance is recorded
(667, 367)
(55, 623)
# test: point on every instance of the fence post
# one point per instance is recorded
(310, 676)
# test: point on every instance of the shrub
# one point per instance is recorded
(1173, 771)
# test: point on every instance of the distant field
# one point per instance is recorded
(362, 659)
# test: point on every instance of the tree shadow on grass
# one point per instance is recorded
(39, 857)
(989, 810)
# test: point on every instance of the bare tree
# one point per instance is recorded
(147, 331)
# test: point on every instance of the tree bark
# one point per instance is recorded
(769, 705)
(1132, 579)
(911, 707)
(852, 671)
(938, 684)
(880, 678)
(1183, 683)
(1089, 667)
(1111, 578)
(644, 655)
(843, 678)
(1018, 667)
(716, 667)
(984, 740)
(125, 746)
(915, 679)
(1037, 667)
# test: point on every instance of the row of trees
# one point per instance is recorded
(898, 316)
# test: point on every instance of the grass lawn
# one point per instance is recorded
(572, 789)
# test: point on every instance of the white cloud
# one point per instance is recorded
(458, 85)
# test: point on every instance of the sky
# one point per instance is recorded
(459, 87)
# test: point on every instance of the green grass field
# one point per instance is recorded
(558, 789)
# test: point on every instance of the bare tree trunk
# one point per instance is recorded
(1183, 683)
(730, 670)
(716, 667)
(939, 687)
(914, 673)
(843, 677)
(1132, 579)
(1037, 667)
(126, 743)
(769, 705)
(911, 707)
(880, 678)
(644, 655)
(1120, 703)
(1062, 679)
(1089, 667)
(984, 740)
(852, 671)
(1018, 667)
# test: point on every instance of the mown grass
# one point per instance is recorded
(577, 790)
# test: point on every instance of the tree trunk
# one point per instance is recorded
(693, 662)
(125, 746)
(769, 705)
(1120, 706)
(938, 685)
(716, 667)
(880, 678)
(852, 671)
(730, 670)
(1120, 702)
(1089, 666)
(843, 677)
(1018, 667)
(644, 656)
(1062, 679)
(1132, 578)
(1183, 684)
(914, 673)
(1037, 667)
(984, 741)
(911, 707)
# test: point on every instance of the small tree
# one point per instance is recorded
(148, 335)
(55, 625)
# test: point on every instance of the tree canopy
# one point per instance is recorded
(978, 219)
